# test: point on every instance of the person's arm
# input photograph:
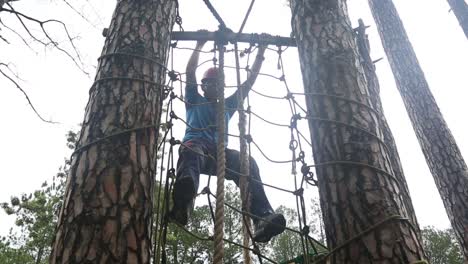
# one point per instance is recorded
(192, 64)
(252, 76)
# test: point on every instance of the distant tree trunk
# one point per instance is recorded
(360, 197)
(374, 94)
(106, 215)
(439, 147)
(40, 252)
(460, 9)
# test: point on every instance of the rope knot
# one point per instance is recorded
(256, 250)
(206, 190)
(173, 96)
(171, 173)
(299, 192)
(174, 142)
(248, 138)
(173, 115)
(305, 230)
(168, 125)
(173, 76)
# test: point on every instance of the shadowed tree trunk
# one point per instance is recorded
(437, 143)
(363, 209)
(374, 94)
(107, 209)
(460, 9)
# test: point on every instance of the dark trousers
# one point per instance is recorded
(199, 157)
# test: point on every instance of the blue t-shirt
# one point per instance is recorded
(201, 115)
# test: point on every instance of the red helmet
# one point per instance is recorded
(211, 73)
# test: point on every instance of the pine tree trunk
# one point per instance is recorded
(374, 94)
(437, 143)
(106, 215)
(364, 213)
(460, 9)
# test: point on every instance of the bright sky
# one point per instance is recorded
(32, 150)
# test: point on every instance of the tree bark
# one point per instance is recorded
(437, 143)
(106, 215)
(460, 9)
(374, 94)
(363, 209)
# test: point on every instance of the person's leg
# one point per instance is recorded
(189, 165)
(259, 205)
(271, 224)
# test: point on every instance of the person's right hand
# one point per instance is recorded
(200, 43)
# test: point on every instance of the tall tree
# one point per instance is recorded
(437, 142)
(364, 214)
(374, 94)
(106, 215)
(460, 9)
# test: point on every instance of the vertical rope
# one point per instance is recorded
(244, 163)
(221, 166)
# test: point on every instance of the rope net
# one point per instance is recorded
(301, 173)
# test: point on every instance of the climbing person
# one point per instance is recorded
(197, 153)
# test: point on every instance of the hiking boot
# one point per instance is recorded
(183, 196)
(264, 230)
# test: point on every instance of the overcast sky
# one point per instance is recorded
(31, 151)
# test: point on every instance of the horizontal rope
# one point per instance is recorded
(338, 162)
(210, 239)
(131, 79)
(360, 235)
(153, 60)
(97, 141)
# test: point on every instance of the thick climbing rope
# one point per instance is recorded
(244, 157)
(244, 161)
(221, 165)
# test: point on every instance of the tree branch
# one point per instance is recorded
(22, 90)
(50, 41)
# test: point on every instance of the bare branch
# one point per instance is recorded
(19, 36)
(4, 39)
(21, 89)
(50, 41)
(79, 13)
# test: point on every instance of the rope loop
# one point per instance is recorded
(301, 156)
(293, 144)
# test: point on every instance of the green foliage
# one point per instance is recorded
(441, 246)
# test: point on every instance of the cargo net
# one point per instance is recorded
(300, 171)
(312, 250)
